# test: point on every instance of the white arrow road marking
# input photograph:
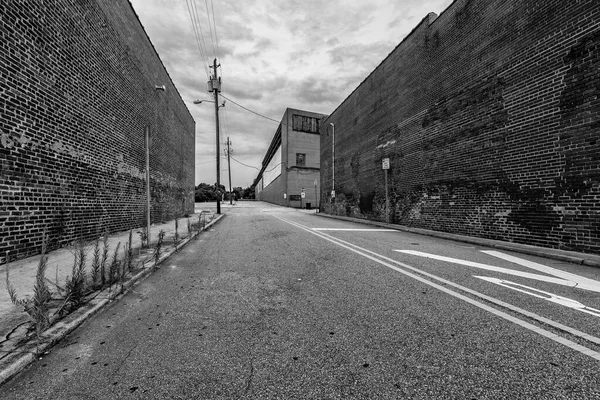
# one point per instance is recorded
(582, 282)
(522, 274)
(563, 301)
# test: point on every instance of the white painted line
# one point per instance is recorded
(522, 274)
(581, 282)
(563, 301)
(355, 230)
(575, 346)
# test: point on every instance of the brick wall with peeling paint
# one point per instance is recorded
(76, 92)
(490, 115)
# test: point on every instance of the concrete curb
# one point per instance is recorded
(590, 260)
(17, 361)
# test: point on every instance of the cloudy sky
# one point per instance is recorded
(274, 54)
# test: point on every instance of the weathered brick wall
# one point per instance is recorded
(76, 92)
(490, 115)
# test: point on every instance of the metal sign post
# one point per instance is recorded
(316, 197)
(385, 164)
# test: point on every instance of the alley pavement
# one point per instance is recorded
(16, 352)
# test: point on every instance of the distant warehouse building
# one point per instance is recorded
(290, 169)
(489, 118)
(78, 82)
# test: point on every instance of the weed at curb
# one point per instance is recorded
(176, 234)
(104, 259)
(158, 248)
(143, 238)
(38, 307)
(96, 264)
(41, 294)
(198, 226)
(76, 284)
(113, 271)
(12, 292)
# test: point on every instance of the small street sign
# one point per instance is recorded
(385, 163)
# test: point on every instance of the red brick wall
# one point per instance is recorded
(490, 115)
(76, 91)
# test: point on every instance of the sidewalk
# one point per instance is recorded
(16, 334)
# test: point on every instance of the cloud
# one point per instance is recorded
(305, 54)
(359, 55)
(240, 93)
(316, 91)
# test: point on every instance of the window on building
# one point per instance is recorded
(305, 124)
(300, 160)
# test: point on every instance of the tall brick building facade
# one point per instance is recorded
(490, 116)
(77, 89)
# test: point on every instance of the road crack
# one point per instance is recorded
(249, 379)
(125, 358)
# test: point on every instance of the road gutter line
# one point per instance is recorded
(363, 252)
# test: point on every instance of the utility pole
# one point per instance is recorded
(229, 169)
(215, 85)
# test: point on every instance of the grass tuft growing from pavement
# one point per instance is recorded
(76, 285)
(37, 307)
(113, 271)
(105, 248)
(158, 248)
(176, 234)
(96, 264)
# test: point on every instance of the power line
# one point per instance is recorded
(211, 161)
(274, 167)
(245, 165)
(212, 6)
(202, 34)
(253, 112)
(226, 116)
(197, 36)
(210, 30)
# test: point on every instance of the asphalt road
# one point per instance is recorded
(275, 303)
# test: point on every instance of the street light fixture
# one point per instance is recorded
(208, 101)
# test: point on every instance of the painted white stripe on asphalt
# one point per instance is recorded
(572, 345)
(554, 298)
(522, 274)
(582, 282)
(355, 230)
